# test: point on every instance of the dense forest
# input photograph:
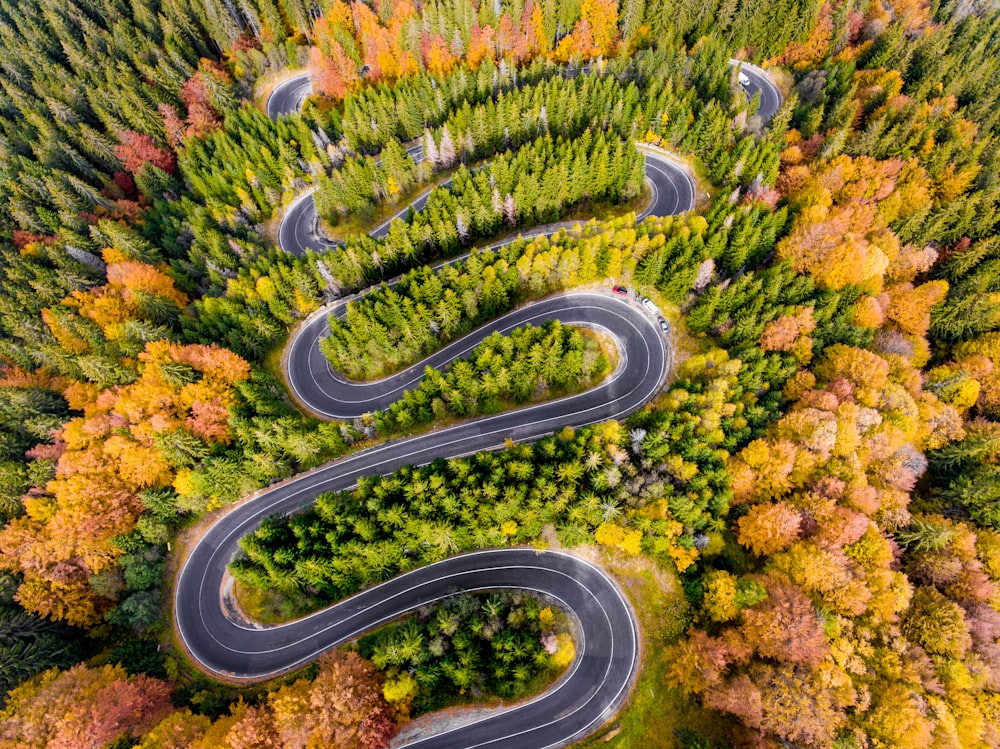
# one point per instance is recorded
(817, 490)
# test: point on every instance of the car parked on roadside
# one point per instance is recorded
(620, 290)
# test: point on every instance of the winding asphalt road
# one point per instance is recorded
(606, 632)
(593, 689)
(329, 394)
(770, 97)
(287, 96)
(300, 231)
(671, 186)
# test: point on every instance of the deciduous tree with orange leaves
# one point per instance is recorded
(82, 708)
(113, 452)
(840, 235)
(479, 47)
(333, 73)
(785, 626)
(768, 528)
(438, 58)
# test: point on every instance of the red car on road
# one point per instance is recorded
(620, 290)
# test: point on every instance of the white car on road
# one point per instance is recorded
(743, 79)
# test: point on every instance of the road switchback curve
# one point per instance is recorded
(607, 636)
(607, 633)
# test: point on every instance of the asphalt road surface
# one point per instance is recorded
(607, 638)
(329, 394)
(287, 96)
(607, 634)
(300, 229)
(594, 688)
(770, 97)
(672, 190)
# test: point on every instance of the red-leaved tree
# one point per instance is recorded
(136, 150)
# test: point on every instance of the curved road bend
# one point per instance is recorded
(593, 689)
(608, 638)
(607, 651)
(287, 96)
(299, 231)
(770, 97)
(328, 393)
